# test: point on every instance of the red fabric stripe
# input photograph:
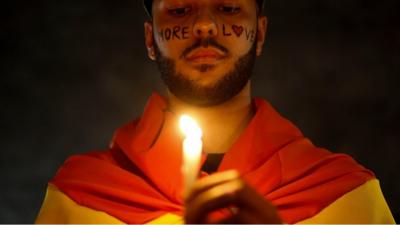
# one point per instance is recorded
(138, 179)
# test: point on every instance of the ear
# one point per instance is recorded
(261, 34)
(149, 39)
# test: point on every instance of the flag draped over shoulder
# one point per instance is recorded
(139, 178)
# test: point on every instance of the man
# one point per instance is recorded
(256, 167)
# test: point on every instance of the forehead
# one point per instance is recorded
(149, 4)
(196, 1)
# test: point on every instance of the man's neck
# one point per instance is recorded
(221, 124)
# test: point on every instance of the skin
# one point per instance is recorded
(222, 124)
(226, 190)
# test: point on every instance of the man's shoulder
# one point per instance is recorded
(313, 178)
(110, 157)
(125, 128)
(364, 204)
(297, 154)
(301, 158)
(58, 208)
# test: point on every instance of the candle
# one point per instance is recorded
(192, 145)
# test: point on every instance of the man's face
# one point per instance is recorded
(205, 49)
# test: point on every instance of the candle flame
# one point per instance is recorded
(189, 127)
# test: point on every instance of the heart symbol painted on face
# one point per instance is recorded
(238, 30)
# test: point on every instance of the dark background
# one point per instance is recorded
(73, 71)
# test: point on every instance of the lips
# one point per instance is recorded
(204, 55)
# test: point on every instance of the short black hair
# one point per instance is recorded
(148, 4)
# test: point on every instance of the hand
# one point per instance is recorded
(226, 190)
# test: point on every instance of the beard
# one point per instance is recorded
(225, 88)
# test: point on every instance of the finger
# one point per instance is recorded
(218, 197)
(252, 217)
(234, 192)
(252, 206)
(249, 198)
(234, 219)
(246, 216)
(211, 181)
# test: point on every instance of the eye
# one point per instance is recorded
(180, 11)
(229, 9)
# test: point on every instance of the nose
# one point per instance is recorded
(205, 26)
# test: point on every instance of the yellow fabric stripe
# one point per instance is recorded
(363, 205)
(168, 219)
(58, 208)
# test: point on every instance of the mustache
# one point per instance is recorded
(204, 43)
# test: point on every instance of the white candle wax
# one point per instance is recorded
(192, 154)
(192, 146)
